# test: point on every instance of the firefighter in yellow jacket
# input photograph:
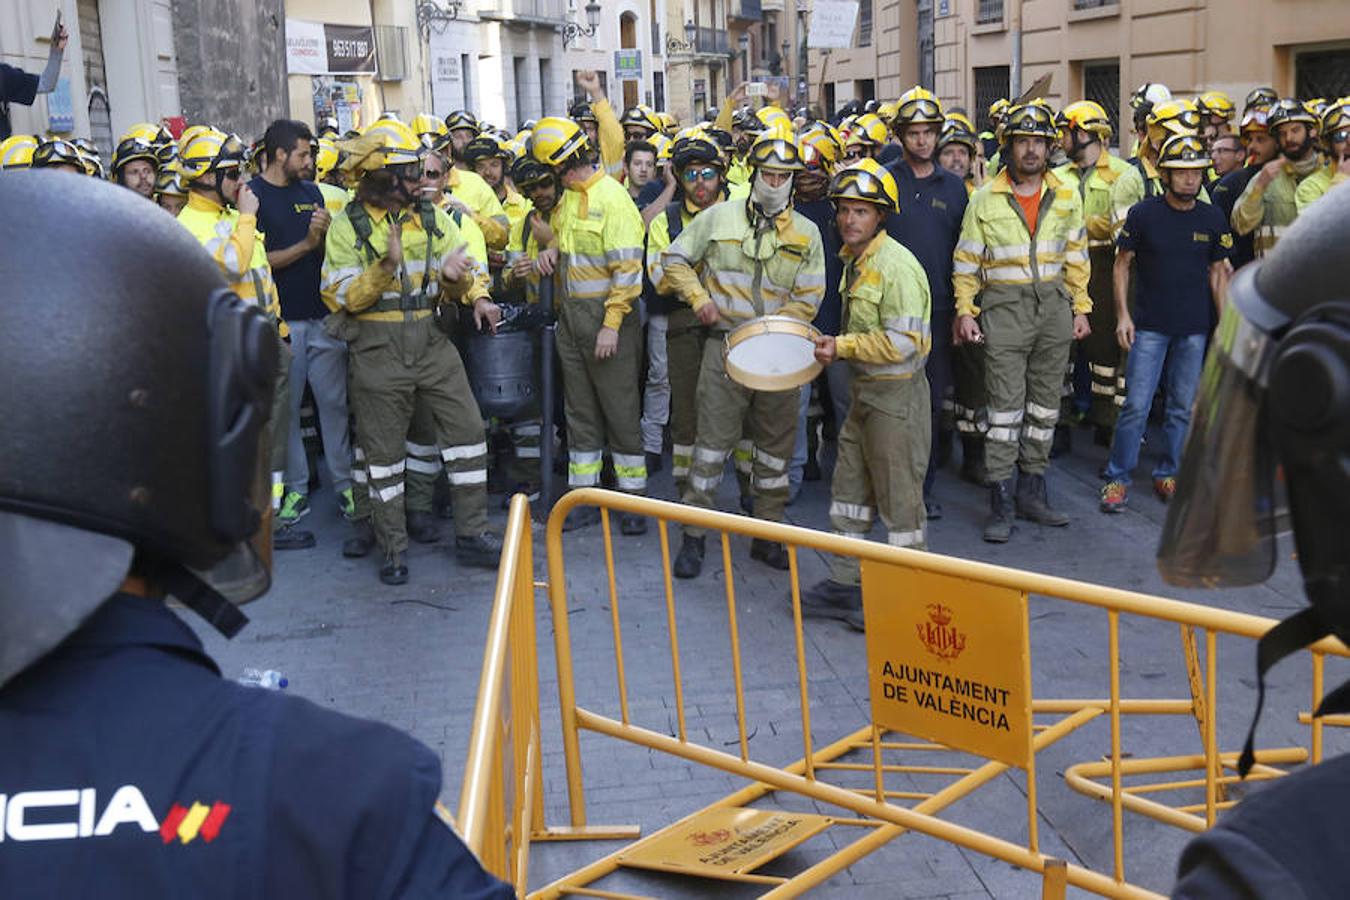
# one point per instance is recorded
(734, 262)
(885, 441)
(1023, 256)
(221, 212)
(389, 262)
(598, 256)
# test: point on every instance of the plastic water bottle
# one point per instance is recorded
(270, 679)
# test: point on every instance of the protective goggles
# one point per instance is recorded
(920, 109)
(857, 184)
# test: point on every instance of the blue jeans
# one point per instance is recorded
(1184, 356)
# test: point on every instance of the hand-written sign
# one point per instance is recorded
(832, 24)
(949, 660)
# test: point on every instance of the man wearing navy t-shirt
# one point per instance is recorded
(1181, 250)
(932, 205)
(292, 216)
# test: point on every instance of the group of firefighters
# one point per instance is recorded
(950, 274)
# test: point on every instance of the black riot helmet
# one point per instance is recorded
(136, 391)
(1274, 406)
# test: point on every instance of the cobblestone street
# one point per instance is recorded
(410, 656)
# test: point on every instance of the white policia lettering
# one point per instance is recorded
(127, 807)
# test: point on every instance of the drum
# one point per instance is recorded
(772, 353)
(501, 370)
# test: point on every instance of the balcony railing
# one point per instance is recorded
(711, 40)
(538, 10)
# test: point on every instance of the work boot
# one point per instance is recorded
(771, 553)
(288, 537)
(829, 599)
(972, 461)
(394, 570)
(362, 540)
(689, 561)
(481, 550)
(1063, 442)
(1033, 504)
(999, 526)
(932, 509)
(632, 524)
(294, 507)
(422, 527)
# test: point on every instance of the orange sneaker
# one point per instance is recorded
(1165, 488)
(1113, 497)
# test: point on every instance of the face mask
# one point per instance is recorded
(772, 200)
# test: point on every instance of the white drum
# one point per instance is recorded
(772, 353)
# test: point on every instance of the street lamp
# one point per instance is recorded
(431, 14)
(573, 32)
(675, 45)
(744, 43)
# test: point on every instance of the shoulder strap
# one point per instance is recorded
(674, 220)
(360, 220)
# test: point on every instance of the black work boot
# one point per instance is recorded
(1032, 503)
(689, 561)
(829, 599)
(771, 553)
(394, 570)
(632, 523)
(999, 526)
(972, 461)
(361, 542)
(288, 537)
(1063, 441)
(422, 527)
(481, 550)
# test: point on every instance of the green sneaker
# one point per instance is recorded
(347, 504)
(294, 507)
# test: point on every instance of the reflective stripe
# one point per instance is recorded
(1104, 389)
(422, 449)
(961, 267)
(702, 483)
(1010, 251)
(473, 476)
(851, 511)
(464, 451)
(1005, 417)
(809, 281)
(905, 538)
(1050, 248)
(1120, 399)
(384, 495)
(630, 461)
(358, 454)
(584, 456)
(1096, 243)
(359, 476)
(778, 481)
(527, 428)
(685, 450)
(1005, 435)
(708, 455)
(622, 253)
(1104, 371)
(968, 246)
(581, 479)
(739, 279)
(773, 462)
(1042, 412)
(906, 323)
(1008, 274)
(527, 452)
(595, 287)
(634, 483)
(627, 279)
(386, 471)
(426, 467)
(1039, 434)
(964, 425)
(1050, 270)
(585, 259)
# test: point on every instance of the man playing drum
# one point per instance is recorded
(885, 441)
(757, 258)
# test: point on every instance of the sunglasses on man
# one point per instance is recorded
(707, 173)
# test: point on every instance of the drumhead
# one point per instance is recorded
(768, 360)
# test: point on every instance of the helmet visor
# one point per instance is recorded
(920, 109)
(1221, 526)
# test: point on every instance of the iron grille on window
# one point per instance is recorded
(1094, 4)
(991, 83)
(1324, 73)
(865, 23)
(989, 12)
(390, 54)
(1101, 82)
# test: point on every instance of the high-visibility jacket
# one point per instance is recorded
(469, 230)
(611, 138)
(515, 206)
(739, 173)
(1108, 191)
(599, 235)
(779, 270)
(1315, 185)
(523, 243)
(354, 280)
(335, 199)
(1266, 211)
(234, 242)
(886, 305)
(470, 189)
(998, 260)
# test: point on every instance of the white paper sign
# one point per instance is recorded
(306, 51)
(832, 24)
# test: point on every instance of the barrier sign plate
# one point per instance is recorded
(718, 843)
(949, 660)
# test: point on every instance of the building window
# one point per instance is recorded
(865, 23)
(659, 90)
(1323, 73)
(1094, 4)
(830, 107)
(926, 44)
(866, 89)
(1101, 83)
(989, 12)
(991, 83)
(545, 79)
(467, 72)
(656, 29)
(390, 53)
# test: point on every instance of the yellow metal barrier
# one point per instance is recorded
(501, 807)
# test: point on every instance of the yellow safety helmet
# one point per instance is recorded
(170, 182)
(917, 106)
(1335, 119)
(133, 147)
(210, 151)
(57, 152)
(189, 133)
(326, 158)
(556, 140)
(640, 116)
(775, 152)
(1030, 120)
(998, 110)
(487, 146)
(663, 147)
(1254, 122)
(1088, 115)
(886, 111)
(1289, 110)
(693, 147)
(400, 145)
(461, 118)
(868, 130)
(957, 130)
(16, 151)
(774, 118)
(669, 124)
(1260, 97)
(1216, 105)
(869, 181)
(961, 119)
(1183, 151)
(1176, 116)
(820, 148)
(429, 128)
